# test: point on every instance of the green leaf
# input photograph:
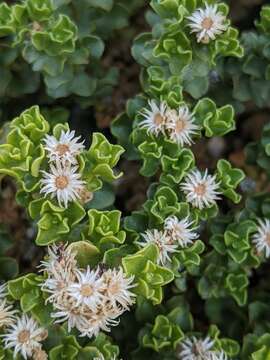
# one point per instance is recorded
(217, 122)
(100, 159)
(264, 23)
(39, 10)
(237, 285)
(149, 277)
(59, 40)
(104, 228)
(6, 20)
(165, 203)
(230, 178)
(135, 263)
(83, 85)
(236, 238)
(102, 4)
(86, 253)
(174, 169)
(163, 334)
(21, 153)
(69, 349)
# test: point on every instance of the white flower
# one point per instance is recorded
(47, 265)
(207, 23)
(7, 314)
(154, 118)
(87, 289)
(200, 349)
(61, 259)
(180, 230)
(60, 266)
(261, 239)
(201, 190)
(116, 288)
(24, 336)
(65, 149)
(3, 290)
(219, 355)
(87, 322)
(63, 183)
(164, 244)
(40, 354)
(180, 125)
(66, 310)
(56, 286)
(101, 320)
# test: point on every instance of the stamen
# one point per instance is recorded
(180, 126)
(61, 182)
(86, 290)
(207, 23)
(24, 336)
(62, 149)
(159, 119)
(200, 189)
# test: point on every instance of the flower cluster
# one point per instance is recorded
(63, 181)
(177, 234)
(200, 349)
(89, 300)
(178, 124)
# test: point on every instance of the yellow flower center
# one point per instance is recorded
(178, 228)
(114, 288)
(40, 354)
(61, 182)
(23, 336)
(86, 290)
(62, 149)
(207, 23)
(158, 120)
(180, 126)
(200, 189)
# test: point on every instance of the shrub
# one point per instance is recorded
(152, 241)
